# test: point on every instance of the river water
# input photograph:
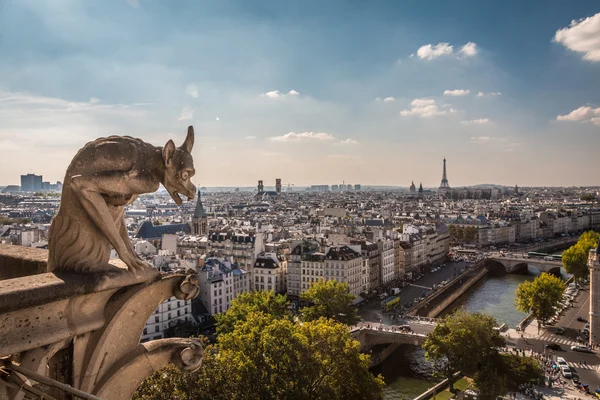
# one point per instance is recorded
(494, 295)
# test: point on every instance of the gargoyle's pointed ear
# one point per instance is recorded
(168, 151)
(189, 140)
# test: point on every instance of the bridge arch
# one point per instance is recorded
(523, 266)
(496, 267)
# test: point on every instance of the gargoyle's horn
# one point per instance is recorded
(189, 140)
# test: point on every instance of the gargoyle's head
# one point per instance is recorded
(179, 168)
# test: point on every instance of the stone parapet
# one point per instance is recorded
(86, 324)
(19, 261)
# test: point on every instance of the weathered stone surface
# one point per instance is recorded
(18, 261)
(105, 176)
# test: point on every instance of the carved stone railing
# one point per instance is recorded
(83, 330)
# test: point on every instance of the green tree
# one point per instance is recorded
(520, 370)
(267, 303)
(588, 197)
(574, 260)
(156, 222)
(274, 359)
(491, 381)
(588, 240)
(470, 234)
(540, 297)
(329, 299)
(463, 342)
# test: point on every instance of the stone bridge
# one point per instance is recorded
(370, 337)
(513, 264)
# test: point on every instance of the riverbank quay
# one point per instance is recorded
(449, 292)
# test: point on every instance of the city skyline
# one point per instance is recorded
(373, 94)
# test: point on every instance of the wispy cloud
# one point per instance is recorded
(192, 90)
(303, 137)
(582, 36)
(349, 142)
(186, 114)
(425, 108)
(482, 94)
(480, 121)
(276, 94)
(250, 137)
(457, 92)
(432, 51)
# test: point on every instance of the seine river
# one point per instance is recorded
(495, 296)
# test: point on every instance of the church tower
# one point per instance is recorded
(199, 220)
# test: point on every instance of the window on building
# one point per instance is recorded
(145, 331)
(156, 329)
(156, 319)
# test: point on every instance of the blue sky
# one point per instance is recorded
(314, 92)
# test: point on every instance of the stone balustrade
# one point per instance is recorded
(72, 333)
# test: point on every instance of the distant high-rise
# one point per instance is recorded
(278, 185)
(31, 183)
(357, 187)
(444, 185)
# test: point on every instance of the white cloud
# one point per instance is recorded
(186, 114)
(468, 50)
(582, 36)
(424, 108)
(479, 121)
(94, 100)
(595, 121)
(457, 92)
(276, 94)
(422, 102)
(304, 136)
(431, 51)
(134, 3)
(217, 119)
(486, 139)
(482, 94)
(250, 137)
(389, 99)
(349, 142)
(192, 90)
(584, 114)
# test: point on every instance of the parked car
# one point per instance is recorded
(560, 331)
(553, 346)
(566, 372)
(582, 349)
(561, 361)
(581, 319)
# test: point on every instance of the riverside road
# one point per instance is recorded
(371, 312)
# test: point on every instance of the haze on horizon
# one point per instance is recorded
(312, 92)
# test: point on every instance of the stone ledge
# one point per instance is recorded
(19, 261)
(31, 291)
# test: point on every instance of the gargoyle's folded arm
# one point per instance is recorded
(89, 189)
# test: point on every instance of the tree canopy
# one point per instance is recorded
(469, 343)
(462, 342)
(329, 299)
(575, 257)
(540, 297)
(269, 303)
(265, 354)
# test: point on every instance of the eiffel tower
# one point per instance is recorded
(444, 185)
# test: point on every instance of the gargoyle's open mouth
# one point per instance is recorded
(177, 197)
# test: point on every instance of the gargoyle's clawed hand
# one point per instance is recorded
(135, 264)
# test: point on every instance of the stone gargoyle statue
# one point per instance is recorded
(105, 176)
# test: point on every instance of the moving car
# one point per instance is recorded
(553, 346)
(582, 349)
(581, 319)
(566, 372)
